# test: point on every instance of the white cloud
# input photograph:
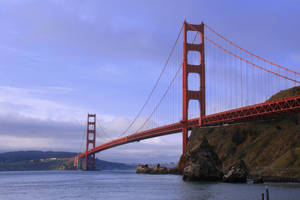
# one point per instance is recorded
(20, 143)
(25, 102)
(29, 120)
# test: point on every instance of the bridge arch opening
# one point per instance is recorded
(193, 37)
(91, 127)
(91, 146)
(91, 136)
(193, 109)
(194, 81)
(193, 58)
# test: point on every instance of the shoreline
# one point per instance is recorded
(256, 178)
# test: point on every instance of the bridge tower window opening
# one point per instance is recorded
(91, 146)
(194, 82)
(91, 137)
(193, 58)
(193, 109)
(193, 37)
(91, 126)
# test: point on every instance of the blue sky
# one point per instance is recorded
(60, 59)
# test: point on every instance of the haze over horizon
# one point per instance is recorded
(62, 59)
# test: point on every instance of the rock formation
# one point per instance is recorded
(258, 180)
(203, 164)
(159, 170)
(237, 173)
(143, 169)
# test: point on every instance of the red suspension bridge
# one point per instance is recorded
(214, 82)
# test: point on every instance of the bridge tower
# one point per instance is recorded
(90, 142)
(188, 68)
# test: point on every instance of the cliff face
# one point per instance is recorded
(269, 147)
(203, 164)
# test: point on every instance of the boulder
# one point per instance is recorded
(258, 180)
(159, 170)
(174, 171)
(237, 173)
(203, 164)
(143, 169)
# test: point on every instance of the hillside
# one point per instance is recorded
(39, 160)
(270, 148)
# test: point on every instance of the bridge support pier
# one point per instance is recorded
(188, 68)
(184, 137)
(77, 163)
(80, 164)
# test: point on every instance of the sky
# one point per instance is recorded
(62, 59)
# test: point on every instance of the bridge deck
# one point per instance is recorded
(268, 109)
(257, 111)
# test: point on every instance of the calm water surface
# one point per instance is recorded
(114, 185)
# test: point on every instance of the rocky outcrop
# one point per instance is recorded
(237, 173)
(258, 180)
(144, 169)
(203, 164)
(159, 170)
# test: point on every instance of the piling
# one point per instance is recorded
(267, 193)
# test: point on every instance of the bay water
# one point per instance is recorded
(127, 185)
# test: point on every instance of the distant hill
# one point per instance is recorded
(39, 160)
(269, 147)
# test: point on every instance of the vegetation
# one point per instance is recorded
(39, 160)
(286, 93)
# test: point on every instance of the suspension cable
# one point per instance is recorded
(155, 85)
(164, 95)
(82, 141)
(103, 131)
(262, 68)
(270, 62)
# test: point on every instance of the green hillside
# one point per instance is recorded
(286, 93)
(39, 160)
(269, 147)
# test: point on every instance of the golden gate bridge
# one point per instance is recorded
(212, 81)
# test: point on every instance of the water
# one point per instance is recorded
(112, 185)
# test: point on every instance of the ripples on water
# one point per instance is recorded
(112, 185)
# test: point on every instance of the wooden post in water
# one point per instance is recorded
(262, 196)
(267, 193)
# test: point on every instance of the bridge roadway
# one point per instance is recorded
(258, 111)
